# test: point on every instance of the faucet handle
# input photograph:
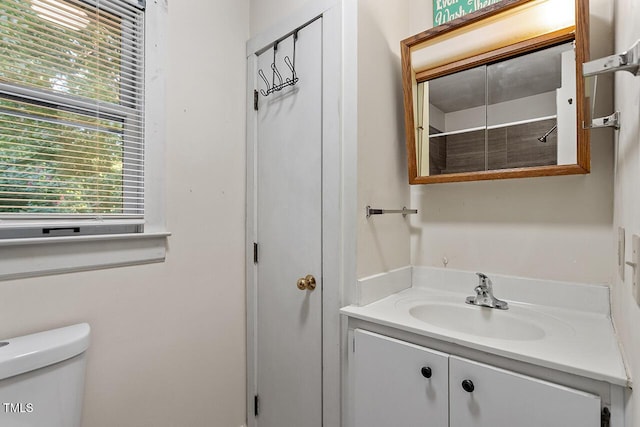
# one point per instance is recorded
(483, 279)
(484, 282)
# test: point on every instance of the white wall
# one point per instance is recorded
(515, 110)
(437, 118)
(168, 346)
(550, 228)
(626, 312)
(266, 13)
(383, 241)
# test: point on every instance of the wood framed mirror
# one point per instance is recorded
(498, 94)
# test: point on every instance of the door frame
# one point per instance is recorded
(339, 191)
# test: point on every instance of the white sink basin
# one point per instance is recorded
(573, 333)
(518, 324)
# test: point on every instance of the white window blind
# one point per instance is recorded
(71, 115)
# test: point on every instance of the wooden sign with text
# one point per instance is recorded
(448, 10)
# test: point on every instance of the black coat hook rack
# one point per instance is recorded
(277, 83)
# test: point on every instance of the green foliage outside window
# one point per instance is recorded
(53, 159)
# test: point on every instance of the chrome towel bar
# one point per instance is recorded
(404, 211)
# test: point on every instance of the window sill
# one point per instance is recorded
(21, 258)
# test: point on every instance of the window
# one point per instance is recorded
(72, 95)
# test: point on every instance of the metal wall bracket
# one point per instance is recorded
(626, 61)
(612, 121)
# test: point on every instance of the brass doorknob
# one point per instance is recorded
(307, 283)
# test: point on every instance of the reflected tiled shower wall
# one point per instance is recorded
(508, 147)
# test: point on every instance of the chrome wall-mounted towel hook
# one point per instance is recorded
(625, 61)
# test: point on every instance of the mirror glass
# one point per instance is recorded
(515, 113)
(498, 94)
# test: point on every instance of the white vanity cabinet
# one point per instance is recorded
(484, 396)
(398, 384)
(391, 388)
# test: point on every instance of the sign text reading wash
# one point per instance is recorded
(447, 10)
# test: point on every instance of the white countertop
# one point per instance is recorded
(580, 342)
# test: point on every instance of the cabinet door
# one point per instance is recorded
(391, 388)
(495, 397)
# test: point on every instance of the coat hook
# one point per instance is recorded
(294, 78)
(277, 83)
(266, 82)
(276, 74)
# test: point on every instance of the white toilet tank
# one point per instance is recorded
(42, 378)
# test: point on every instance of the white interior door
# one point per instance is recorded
(289, 236)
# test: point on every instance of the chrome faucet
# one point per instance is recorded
(484, 295)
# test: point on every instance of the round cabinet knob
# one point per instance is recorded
(467, 385)
(307, 283)
(426, 372)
